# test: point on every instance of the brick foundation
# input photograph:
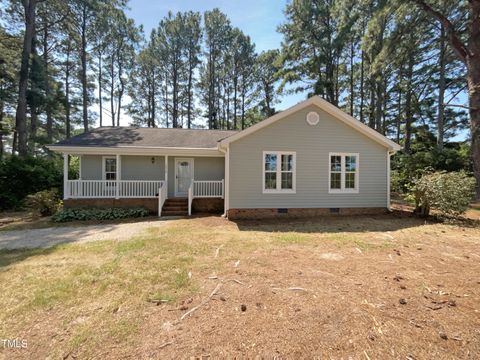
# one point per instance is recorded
(151, 204)
(234, 214)
(207, 205)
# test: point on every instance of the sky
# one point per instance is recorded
(257, 18)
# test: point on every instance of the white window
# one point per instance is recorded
(279, 172)
(109, 168)
(343, 173)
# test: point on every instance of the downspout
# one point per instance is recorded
(389, 154)
(226, 151)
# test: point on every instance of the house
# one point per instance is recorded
(311, 159)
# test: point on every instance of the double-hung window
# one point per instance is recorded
(343, 173)
(279, 172)
(109, 168)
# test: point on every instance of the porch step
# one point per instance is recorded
(175, 207)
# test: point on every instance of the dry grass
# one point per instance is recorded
(100, 299)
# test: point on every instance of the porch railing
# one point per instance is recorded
(208, 189)
(77, 189)
(190, 198)
(163, 194)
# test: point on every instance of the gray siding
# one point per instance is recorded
(141, 168)
(91, 167)
(312, 145)
(133, 167)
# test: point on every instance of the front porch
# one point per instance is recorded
(146, 181)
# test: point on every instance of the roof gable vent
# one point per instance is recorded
(313, 118)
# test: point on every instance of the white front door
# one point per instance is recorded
(183, 176)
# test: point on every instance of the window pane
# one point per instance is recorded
(287, 162)
(350, 163)
(270, 180)
(111, 176)
(335, 181)
(350, 180)
(110, 165)
(287, 180)
(270, 162)
(336, 163)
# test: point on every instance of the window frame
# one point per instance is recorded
(278, 172)
(104, 168)
(343, 171)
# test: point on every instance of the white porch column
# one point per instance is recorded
(79, 167)
(166, 173)
(119, 175)
(65, 176)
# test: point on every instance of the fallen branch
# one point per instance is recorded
(296, 289)
(237, 281)
(158, 301)
(218, 250)
(203, 302)
(165, 345)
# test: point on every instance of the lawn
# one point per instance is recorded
(387, 286)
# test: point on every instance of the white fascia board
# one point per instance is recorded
(130, 150)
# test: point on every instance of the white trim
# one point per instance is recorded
(343, 190)
(103, 166)
(279, 190)
(226, 203)
(329, 108)
(389, 154)
(141, 151)
(166, 174)
(192, 172)
(65, 176)
(79, 167)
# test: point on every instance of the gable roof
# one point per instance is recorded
(137, 137)
(327, 107)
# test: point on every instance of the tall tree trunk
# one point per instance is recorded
(408, 103)
(121, 90)
(67, 92)
(174, 98)
(371, 111)
(469, 54)
(362, 82)
(2, 106)
(112, 90)
(152, 100)
(165, 100)
(20, 143)
(48, 108)
(379, 107)
(441, 91)
(190, 95)
(474, 104)
(352, 80)
(83, 75)
(235, 100)
(100, 100)
(33, 105)
(399, 107)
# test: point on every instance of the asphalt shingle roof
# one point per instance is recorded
(148, 137)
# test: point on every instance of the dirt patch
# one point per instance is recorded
(335, 288)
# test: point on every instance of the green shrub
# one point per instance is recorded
(99, 214)
(21, 177)
(45, 203)
(448, 192)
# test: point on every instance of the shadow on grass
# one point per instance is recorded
(9, 257)
(393, 221)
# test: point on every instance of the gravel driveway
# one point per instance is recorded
(35, 238)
